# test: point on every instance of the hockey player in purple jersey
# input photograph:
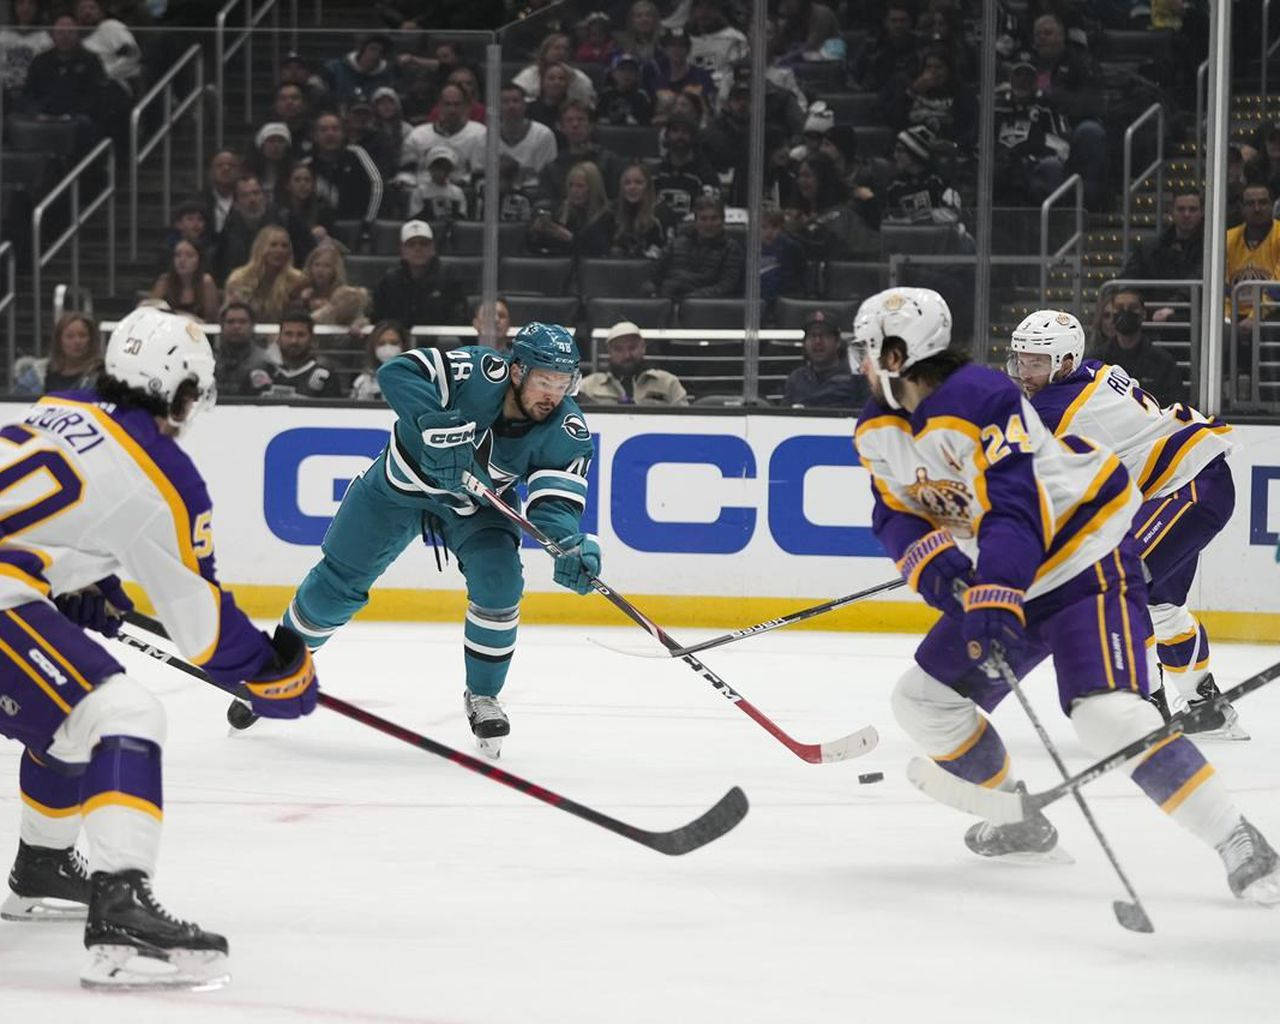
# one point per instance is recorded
(1021, 540)
(93, 483)
(1177, 459)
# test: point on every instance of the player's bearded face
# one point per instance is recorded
(1031, 370)
(541, 391)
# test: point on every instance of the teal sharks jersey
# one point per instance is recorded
(551, 456)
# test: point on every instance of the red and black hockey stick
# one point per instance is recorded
(728, 811)
(854, 745)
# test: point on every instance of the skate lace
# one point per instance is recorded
(78, 865)
(1238, 847)
(485, 709)
(157, 908)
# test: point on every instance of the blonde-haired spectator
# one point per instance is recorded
(326, 291)
(555, 49)
(269, 282)
(74, 360)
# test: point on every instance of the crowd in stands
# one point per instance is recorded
(625, 135)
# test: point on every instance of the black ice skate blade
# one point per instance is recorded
(1132, 917)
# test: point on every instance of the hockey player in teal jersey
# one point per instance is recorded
(503, 418)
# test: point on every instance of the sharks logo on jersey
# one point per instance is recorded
(493, 368)
(576, 427)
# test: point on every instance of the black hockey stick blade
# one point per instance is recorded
(1132, 917)
(728, 811)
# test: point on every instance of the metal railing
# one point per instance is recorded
(224, 51)
(1255, 384)
(1202, 90)
(103, 152)
(1195, 297)
(9, 301)
(138, 152)
(1049, 260)
(1269, 46)
(1156, 167)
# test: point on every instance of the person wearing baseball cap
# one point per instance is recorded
(677, 73)
(623, 100)
(629, 380)
(825, 380)
(438, 197)
(418, 292)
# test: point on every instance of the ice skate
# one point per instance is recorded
(1032, 841)
(1253, 869)
(47, 885)
(488, 721)
(1206, 722)
(134, 943)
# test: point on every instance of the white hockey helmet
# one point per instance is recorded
(917, 316)
(157, 352)
(1049, 332)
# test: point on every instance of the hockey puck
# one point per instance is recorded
(240, 716)
(869, 777)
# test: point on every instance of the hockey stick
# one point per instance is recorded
(762, 627)
(1131, 915)
(1004, 808)
(854, 745)
(727, 812)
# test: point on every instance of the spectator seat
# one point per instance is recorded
(711, 314)
(467, 238)
(631, 279)
(820, 76)
(367, 271)
(467, 271)
(547, 309)
(602, 312)
(917, 239)
(850, 280)
(534, 275)
(347, 233)
(874, 140)
(853, 108)
(792, 313)
(30, 134)
(630, 141)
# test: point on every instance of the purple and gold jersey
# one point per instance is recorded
(1163, 449)
(88, 489)
(1030, 510)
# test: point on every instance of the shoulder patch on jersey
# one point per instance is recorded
(493, 368)
(576, 427)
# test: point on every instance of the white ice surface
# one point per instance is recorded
(359, 879)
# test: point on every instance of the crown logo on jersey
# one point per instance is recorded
(946, 502)
(894, 301)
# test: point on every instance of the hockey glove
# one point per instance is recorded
(447, 447)
(100, 607)
(580, 562)
(993, 623)
(285, 686)
(931, 566)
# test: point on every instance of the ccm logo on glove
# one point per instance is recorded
(450, 437)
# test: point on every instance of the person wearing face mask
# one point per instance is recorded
(1152, 368)
(386, 340)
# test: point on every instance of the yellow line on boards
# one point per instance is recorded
(678, 611)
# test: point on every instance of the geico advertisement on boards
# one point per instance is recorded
(683, 505)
